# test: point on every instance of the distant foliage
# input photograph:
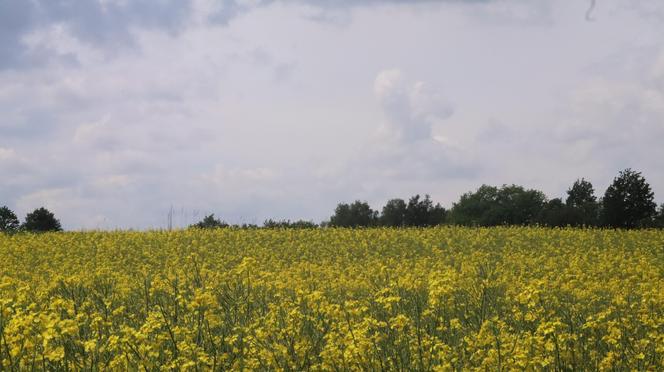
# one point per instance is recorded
(209, 222)
(287, 224)
(579, 209)
(357, 214)
(9, 223)
(394, 213)
(41, 220)
(555, 213)
(583, 209)
(492, 206)
(580, 194)
(423, 213)
(628, 202)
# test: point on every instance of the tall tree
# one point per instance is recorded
(581, 193)
(417, 211)
(472, 207)
(518, 206)
(491, 206)
(582, 204)
(357, 214)
(8, 220)
(422, 212)
(628, 202)
(394, 213)
(437, 215)
(342, 216)
(41, 220)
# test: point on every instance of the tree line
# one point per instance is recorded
(39, 220)
(627, 203)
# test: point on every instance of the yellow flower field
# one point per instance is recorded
(437, 299)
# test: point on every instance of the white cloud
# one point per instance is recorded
(387, 83)
(113, 181)
(221, 176)
(95, 133)
(7, 154)
(54, 199)
(269, 114)
(58, 39)
(411, 109)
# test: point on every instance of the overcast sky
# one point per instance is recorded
(112, 111)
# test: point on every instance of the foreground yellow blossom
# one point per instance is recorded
(440, 299)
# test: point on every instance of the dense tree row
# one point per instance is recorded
(210, 222)
(39, 220)
(627, 203)
(396, 213)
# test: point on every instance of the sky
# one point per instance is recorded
(115, 112)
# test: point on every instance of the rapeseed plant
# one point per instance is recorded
(440, 299)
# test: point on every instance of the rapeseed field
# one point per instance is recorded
(438, 299)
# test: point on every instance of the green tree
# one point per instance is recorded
(659, 219)
(394, 213)
(437, 215)
(518, 206)
(582, 204)
(357, 214)
(8, 221)
(555, 213)
(41, 220)
(472, 207)
(422, 212)
(209, 222)
(492, 206)
(628, 202)
(581, 193)
(342, 216)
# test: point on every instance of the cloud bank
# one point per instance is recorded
(115, 113)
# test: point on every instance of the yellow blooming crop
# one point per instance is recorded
(438, 299)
